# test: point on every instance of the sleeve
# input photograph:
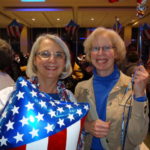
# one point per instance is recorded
(139, 122)
(4, 96)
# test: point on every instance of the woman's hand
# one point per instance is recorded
(141, 77)
(97, 128)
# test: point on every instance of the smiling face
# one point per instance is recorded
(49, 60)
(103, 55)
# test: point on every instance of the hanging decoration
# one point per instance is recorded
(88, 31)
(117, 26)
(141, 8)
(112, 1)
(140, 44)
(146, 47)
(14, 29)
(71, 29)
(146, 31)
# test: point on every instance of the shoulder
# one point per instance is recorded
(124, 77)
(85, 84)
(83, 88)
(124, 80)
(4, 96)
(71, 96)
(5, 81)
(6, 91)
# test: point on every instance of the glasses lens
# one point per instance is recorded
(44, 54)
(47, 54)
(95, 49)
(106, 48)
(59, 55)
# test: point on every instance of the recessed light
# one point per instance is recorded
(92, 19)
(33, 19)
(135, 23)
(58, 19)
(33, 0)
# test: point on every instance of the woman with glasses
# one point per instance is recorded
(118, 116)
(42, 101)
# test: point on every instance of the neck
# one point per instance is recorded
(105, 73)
(48, 86)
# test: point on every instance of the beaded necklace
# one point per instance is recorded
(63, 95)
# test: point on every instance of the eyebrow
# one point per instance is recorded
(60, 51)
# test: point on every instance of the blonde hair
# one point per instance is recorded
(31, 68)
(115, 39)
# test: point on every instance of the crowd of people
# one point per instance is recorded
(118, 118)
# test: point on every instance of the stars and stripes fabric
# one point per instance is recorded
(14, 29)
(33, 120)
(89, 31)
(146, 32)
(141, 1)
(71, 28)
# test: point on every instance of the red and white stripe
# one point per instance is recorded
(64, 140)
(141, 2)
(112, 1)
(146, 34)
(88, 32)
(71, 30)
(14, 31)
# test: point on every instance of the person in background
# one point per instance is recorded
(118, 116)
(129, 65)
(5, 64)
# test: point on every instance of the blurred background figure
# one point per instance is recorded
(131, 62)
(82, 70)
(6, 59)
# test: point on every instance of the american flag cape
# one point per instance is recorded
(32, 120)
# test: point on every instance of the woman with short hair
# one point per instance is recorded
(118, 116)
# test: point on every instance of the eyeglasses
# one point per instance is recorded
(104, 48)
(46, 54)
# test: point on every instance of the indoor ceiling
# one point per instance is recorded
(86, 13)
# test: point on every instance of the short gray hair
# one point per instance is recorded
(31, 68)
(115, 39)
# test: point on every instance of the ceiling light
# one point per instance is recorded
(58, 19)
(135, 23)
(33, 19)
(33, 0)
(35, 9)
(92, 19)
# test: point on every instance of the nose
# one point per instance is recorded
(51, 57)
(100, 51)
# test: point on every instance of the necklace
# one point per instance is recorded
(60, 89)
